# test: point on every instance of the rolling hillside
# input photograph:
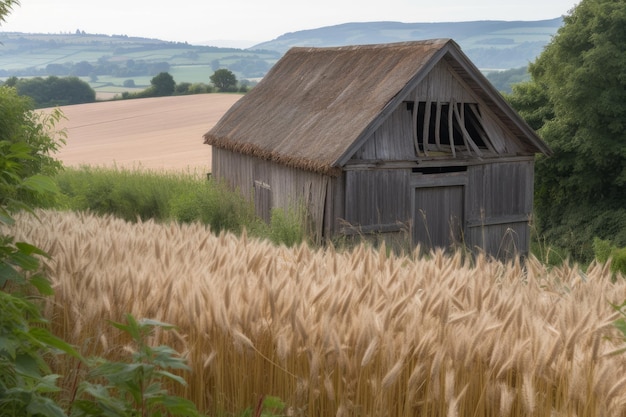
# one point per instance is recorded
(490, 44)
(163, 133)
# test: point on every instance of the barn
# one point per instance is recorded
(406, 142)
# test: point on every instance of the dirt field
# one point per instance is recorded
(162, 133)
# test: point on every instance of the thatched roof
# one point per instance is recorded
(317, 105)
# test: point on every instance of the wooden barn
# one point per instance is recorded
(405, 141)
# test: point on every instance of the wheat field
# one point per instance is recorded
(339, 333)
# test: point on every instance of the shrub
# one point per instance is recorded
(605, 250)
(287, 227)
(137, 387)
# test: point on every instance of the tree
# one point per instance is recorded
(82, 69)
(162, 84)
(56, 91)
(577, 101)
(224, 80)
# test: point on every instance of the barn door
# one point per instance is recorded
(438, 216)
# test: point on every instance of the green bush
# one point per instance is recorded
(602, 249)
(605, 250)
(136, 387)
(619, 260)
(287, 228)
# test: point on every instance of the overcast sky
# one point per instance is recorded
(255, 21)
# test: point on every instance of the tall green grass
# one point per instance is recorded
(184, 197)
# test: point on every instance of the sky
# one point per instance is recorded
(244, 23)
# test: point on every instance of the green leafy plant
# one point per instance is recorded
(137, 388)
(27, 384)
(26, 380)
(605, 250)
(287, 227)
(267, 406)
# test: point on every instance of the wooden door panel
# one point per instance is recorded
(438, 216)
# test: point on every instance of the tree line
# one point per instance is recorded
(576, 101)
(62, 91)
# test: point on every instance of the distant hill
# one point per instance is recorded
(489, 44)
(112, 63)
(118, 63)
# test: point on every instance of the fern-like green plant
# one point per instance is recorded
(135, 388)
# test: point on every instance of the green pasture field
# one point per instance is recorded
(191, 73)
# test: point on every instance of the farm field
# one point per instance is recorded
(339, 333)
(163, 133)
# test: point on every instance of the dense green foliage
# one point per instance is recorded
(162, 84)
(577, 101)
(605, 250)
(26, 150)
(53, 91)
(25, 163)
(135, 388)
(224, 80)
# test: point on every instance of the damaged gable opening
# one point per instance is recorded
(449, 128)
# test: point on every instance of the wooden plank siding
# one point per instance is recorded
(377, 201)
(437, 209)
(392, 141)
(280, 187)
(499, 206)
(441, 85)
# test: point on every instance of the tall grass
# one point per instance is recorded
(359, 332)
(184, 197)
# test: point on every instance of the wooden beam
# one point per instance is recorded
(494, 221)
(414, 124)
(451, 127)
(481, 128)
(438, 126)
(439, 180)
(466, 137)
(426, 127)
(373, 228)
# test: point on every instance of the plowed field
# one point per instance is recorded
(163, 133)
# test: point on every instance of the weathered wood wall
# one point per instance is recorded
(499, 207)
(376, 200)
(486, 207)
(272, 185)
